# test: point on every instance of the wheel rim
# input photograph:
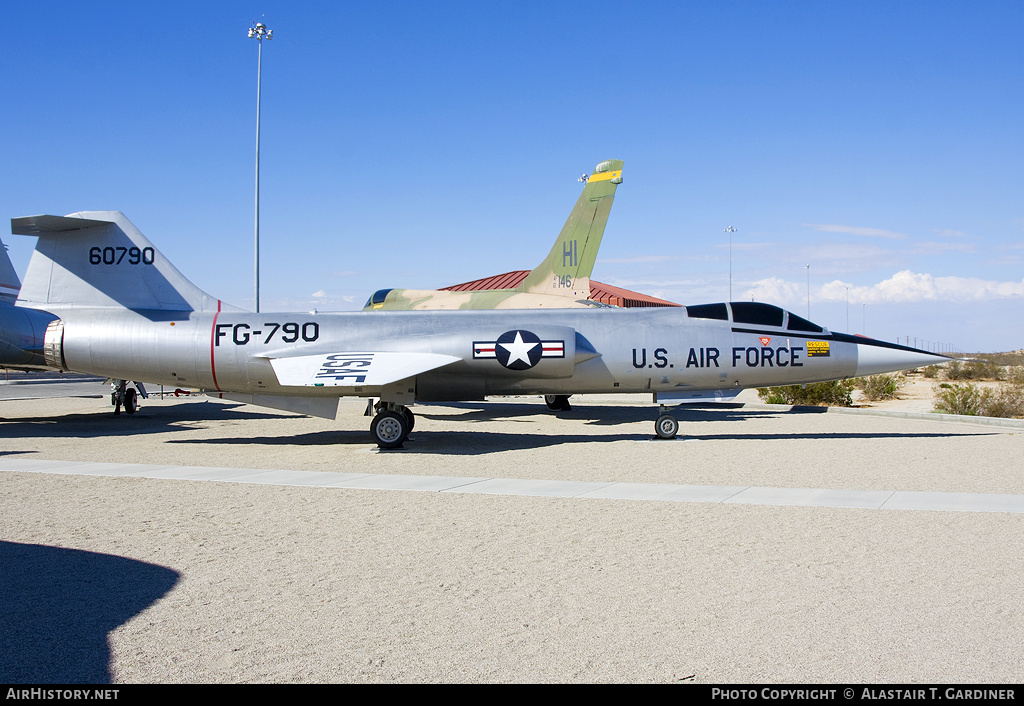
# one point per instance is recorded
(389, 429)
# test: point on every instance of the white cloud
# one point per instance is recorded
(907, 286)
(855, 230)
(775, 290)
(902, 287)
(1006, 261)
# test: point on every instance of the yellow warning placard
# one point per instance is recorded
(817, 349)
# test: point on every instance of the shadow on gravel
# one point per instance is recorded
(59, 606)
(148, 420)
(448, 443)
(605, 415)
(319, 438)
(467, 438)
(505, 432)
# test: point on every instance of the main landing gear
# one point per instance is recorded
(392, 424)
(122, 395)
(667, 426)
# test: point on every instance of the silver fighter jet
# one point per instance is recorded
(114, 306)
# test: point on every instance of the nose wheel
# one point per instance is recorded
(667, 426)
(558, 403)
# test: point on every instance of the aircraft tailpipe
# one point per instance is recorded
(53, 345)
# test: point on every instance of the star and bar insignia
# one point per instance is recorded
(519, 349)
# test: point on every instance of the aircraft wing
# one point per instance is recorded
(355, 369)
(697, 396)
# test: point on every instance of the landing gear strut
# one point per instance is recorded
(391, 427)
(121, 394)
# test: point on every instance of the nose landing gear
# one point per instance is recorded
(667, 426)
(558, 403)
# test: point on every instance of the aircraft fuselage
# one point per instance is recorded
(628, 350)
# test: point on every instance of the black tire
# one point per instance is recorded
(131, 401)
(666, 427)
(412, 419)
(557, 403)
(389, 429)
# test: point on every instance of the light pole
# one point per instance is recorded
(259, 32)
(808, 268)
(730, 230)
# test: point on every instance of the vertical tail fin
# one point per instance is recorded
(568, 266)
(9, 282)
(100, 259)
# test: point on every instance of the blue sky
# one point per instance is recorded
(412, 144)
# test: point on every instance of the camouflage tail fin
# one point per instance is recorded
(9, 282)
(567, 268)
(99, 259)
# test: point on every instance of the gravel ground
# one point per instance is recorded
(140, 580)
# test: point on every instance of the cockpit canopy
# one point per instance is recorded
(754, 313)
(377, 297)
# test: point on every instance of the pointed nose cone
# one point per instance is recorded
(875, 357)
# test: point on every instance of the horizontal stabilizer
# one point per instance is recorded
(356, 369)
(40, 225)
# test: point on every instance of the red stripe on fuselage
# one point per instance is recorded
(213, 336)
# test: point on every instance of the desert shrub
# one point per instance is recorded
(954, 370)
(975, 370)
(1006, 401)
(984, 370)
(931, 371)
(773, 395)
(967, 398)
(881, 387)
(1010, 358)
(962, 398)
(1015, 375)
(819, 394)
